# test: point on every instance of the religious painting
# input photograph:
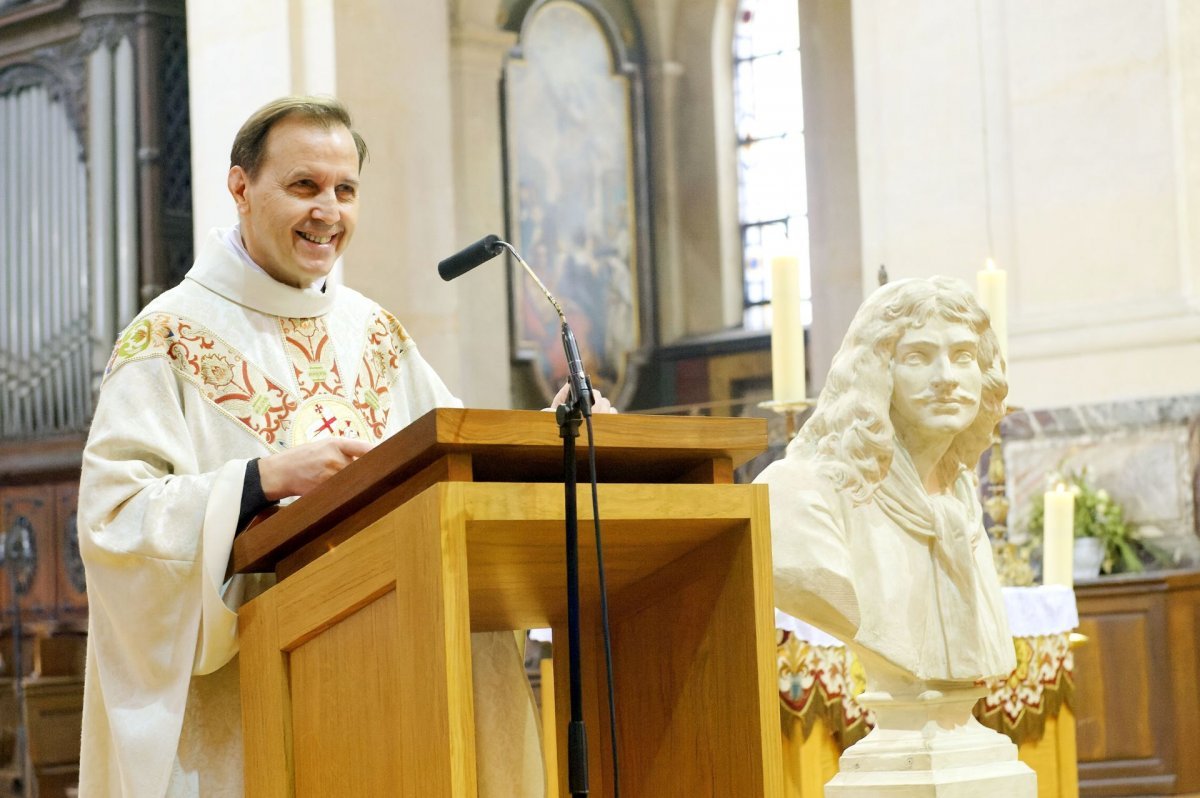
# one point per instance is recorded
(572, 194)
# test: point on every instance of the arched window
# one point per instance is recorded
(769, 118)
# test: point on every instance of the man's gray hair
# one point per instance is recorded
(250, 144)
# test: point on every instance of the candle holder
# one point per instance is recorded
(792, 412)
(1012, 559)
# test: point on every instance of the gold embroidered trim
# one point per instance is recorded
(386, 342)
(233, 384)
(308, 347)
(244, 392)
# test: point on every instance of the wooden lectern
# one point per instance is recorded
(356, 665)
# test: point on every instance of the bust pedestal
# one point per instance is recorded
(928, 744)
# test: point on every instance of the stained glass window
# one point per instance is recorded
(769, 117)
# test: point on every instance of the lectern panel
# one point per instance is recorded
(345, 702)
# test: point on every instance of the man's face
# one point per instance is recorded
(298, 212)
(936, 379)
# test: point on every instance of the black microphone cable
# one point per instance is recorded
(606, 633)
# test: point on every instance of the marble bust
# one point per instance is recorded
(877, 532)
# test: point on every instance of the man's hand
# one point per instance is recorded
(297, 471)
(601, 404)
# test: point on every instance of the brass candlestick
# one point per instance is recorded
(792, 412)
(1012, 559)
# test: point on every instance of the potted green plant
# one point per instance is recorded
(1102, 531)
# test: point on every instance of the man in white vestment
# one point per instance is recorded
(877, 533)
(252, 381)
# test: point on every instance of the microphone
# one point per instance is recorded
(477, 254)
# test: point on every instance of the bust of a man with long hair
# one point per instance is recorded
(876, 525)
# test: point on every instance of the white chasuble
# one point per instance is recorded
(229, 366)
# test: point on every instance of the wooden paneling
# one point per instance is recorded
(35, 504)
(45, 460)
(54, 710)
(700, 609)
(266, 716)
(345, 700)
(70, 587)
(1138, 719)
(8, 726)
(1183, 628)
(53, 599)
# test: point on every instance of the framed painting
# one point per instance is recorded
(574, 183)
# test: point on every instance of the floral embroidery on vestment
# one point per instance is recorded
(386, 342)
(310, 350)
(241, 390)
(230, 382)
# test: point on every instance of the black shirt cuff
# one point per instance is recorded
(254, 501)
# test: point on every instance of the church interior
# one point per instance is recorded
(666, 167)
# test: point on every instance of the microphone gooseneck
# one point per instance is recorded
(581, 390)
(489, 247)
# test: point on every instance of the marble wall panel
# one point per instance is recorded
(1144, 452)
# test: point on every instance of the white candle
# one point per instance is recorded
(787, 330)
(1058, 537)
(993, 295)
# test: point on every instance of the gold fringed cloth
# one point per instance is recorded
(1041, 684)
(819, 677)
(821, 681)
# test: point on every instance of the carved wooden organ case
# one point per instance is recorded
(95, 219)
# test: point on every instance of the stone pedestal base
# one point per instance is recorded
(930, 746)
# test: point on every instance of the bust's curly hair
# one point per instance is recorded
(850, 434)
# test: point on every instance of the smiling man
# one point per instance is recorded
(253, 380)
(877, 532)
(295, 183)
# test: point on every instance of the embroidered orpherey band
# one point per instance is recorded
(387, 340)
(279, 417)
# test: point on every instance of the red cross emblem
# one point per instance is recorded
(327, 426)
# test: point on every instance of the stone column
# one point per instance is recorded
(477, 53)
(393, 71)
(232, 69)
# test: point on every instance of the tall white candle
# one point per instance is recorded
(1058, 537)
(993, 295)
(787, 330)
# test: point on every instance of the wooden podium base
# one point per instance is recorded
(356, 669)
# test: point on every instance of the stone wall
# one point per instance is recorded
(1145, 453)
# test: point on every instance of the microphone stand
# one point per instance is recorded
(570, 416)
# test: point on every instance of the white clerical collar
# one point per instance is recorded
(233, 239)
(222, 270)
